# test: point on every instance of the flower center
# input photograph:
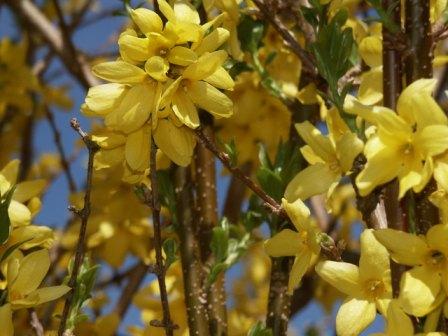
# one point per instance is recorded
(374, 288)
(408, 148)
(436, 259)
(163, 52)
(334, 166)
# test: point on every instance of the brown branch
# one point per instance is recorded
(75, 63)
(270, 203)
(118, 277)
(207, 208)
(62, 155)
(193, 274)
(288, 37)
(136, 277)
(84, 214)
(35, 323)
(167, 323)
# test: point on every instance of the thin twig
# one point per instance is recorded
(62, 155)
(84, 214)
(288, 37)
(270, 203)
(118, 277)
(75, 64)
(35, 323)
(167, 323)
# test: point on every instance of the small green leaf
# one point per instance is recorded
(250, 33)
(259, 330)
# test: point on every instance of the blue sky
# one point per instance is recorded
(96, 39)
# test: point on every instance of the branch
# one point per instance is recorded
(63, 157)
(167, 323)
(270, 203)
(36, 325)
(288, 37)
(84, 214)
(75, 63)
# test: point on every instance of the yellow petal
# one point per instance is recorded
(134, 109)
(109, 158)
(185, 11)
(8, 175)
(170, 89)
(441, 174)
(175, 142)
(285, 243)
(419, 289)
(28, 189)
(19, 214)
(370, 49)
(343, 276)
(374, 262)
(205, 66)
(354, 316)
(51, 293)
(185, 110)
(437, 238)
(301, 264)
(32, 271)
(347, 149)
(6, 320)
(210, 99)
(313, 180)
(310, 156)
(157, 67)
(376, 173)
(119, 72)
(166, 10)
(415, 104)
(370, 90)
(213, 41)
(398, 323)
(147, 20)
(321, 145)
(137, 148)
(182, 56)
(432, 140)
(34, 235)
(101, 99)
(133, 48)
(220, 79)
(405, 248)
(298, 212)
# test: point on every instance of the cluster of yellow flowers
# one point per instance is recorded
(24, 256)
(165, 73)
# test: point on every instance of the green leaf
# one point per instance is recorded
(259, 330)
(234, 68)
(250, 33)
(170, 248)
(219, 243)
(167, 193)
(5, 221)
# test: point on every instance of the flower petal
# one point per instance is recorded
(354, 316)
(157, 67)
(419, 289)
(298, 212)
(132, 48)
(205, 66)
(175, 142)
(432, 140)
(137, 148)
(285, 243)
(313, 180)
(301, 264)
(210, 99)
(341, 275)
(185, 110)
(32, 270)
(101, 99)
(119, 72)
(405, 248)
(437, 238)
(321, 145)
(398, 323)
(347, 149)
(220, 79)
(374, 262)
(147, 20)
(370, 90)
(51, 293)
(182, 56)
(6, 320)
(213, 41)
(26, 190)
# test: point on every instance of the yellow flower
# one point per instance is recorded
(407, 141)
(398, 323)
(6, 320)
(24, 277)
(421, 286)
(368, 286)
(304, 244)
(330, 158)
